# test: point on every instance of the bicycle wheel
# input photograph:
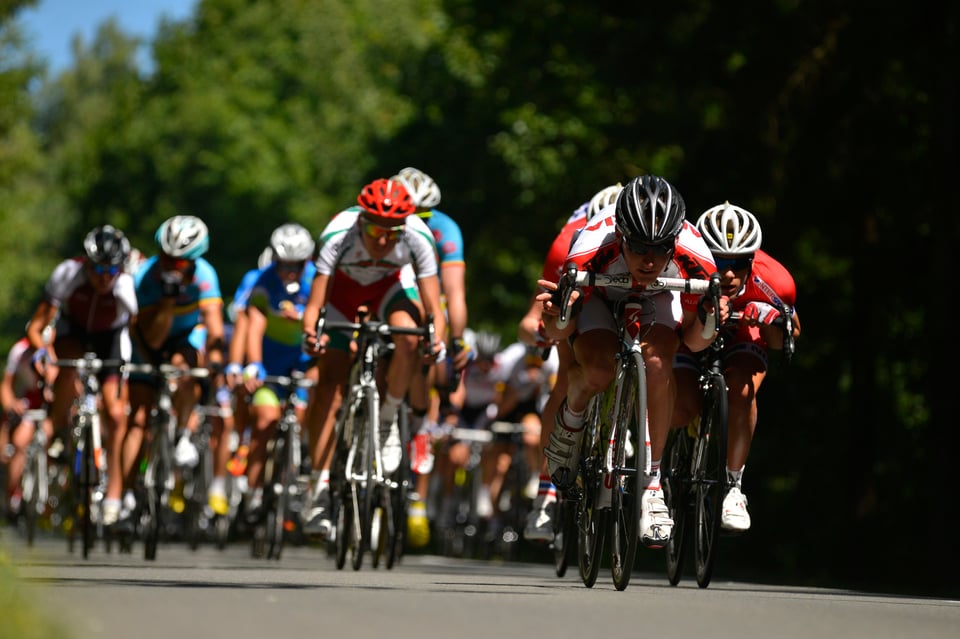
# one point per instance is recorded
(31, 505)
(677, 490)
(630, 414)
(88, 481)
(344, 527)
(365, 488)
(280, 483)
(592, 522)
(154, 479)
(710, 477)
(197, 523)
(396, 501)
(564, 534)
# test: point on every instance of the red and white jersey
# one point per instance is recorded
(25, 378)
(69, 290)
(769, 282)
(598, 250)
(557, 255)
(343, 254)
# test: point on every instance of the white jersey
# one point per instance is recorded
(342, 250)
(69, 290)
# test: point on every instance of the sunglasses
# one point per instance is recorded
(642, 248)
(291, 267)
(106, 269)
(732, 263)
(376, 231)
(173, 263)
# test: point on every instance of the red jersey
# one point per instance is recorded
(598, 250)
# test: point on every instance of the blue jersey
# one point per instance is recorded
(283, 332)
(241, 296)
(447, 237)
(203, 288)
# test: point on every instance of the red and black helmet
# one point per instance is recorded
(386, 198)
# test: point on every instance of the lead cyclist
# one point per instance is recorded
(644, 236)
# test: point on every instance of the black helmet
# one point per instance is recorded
(106, 245)
(650, 210)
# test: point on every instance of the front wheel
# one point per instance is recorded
(627, 476)
(710, 476)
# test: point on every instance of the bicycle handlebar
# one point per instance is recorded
(573, 278)
(288, 381)
(168, 371)
(87, 364)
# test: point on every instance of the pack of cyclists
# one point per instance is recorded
(394, 255)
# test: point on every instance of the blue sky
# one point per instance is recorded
(52, 23)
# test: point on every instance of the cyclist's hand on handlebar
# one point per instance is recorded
(460, 353)
(549, 298)
(253, 375)
(760, 313)
(313, 346)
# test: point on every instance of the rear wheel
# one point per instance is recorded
(711, 479)
(676, 488)
(154, 479)
(279, 487)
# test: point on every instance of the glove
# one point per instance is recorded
(171, 283)
(761, 312)
(233, 368)
(169, 289)
(254, 370)
(39, 356)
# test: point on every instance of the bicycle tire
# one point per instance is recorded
(564, 543)
(396, 502)
(344, 526)
(677, 489)
(627, 478)
(197, 523)
(592, 522)
(88, 474)
(154, 480)
(30, 491)
(283, 460)
(711, 476)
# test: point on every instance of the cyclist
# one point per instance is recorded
(484, 380)
(179, 294)
(444, 378)
(755, 283)
(380, 255)
(233, 371)
(20, 391)
(92, 302)
(276, 302)
(539, 525)
(643, 235)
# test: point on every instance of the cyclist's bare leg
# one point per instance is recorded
(659, 347)
(265, 418)
(115, 397)
(745, 373)
(141, 401)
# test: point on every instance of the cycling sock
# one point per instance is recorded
(570, 420)
(546, 486)
(734, 476)
(218, 486)
(653, 479)
(389, 409)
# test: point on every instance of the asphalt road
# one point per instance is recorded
(212, 594)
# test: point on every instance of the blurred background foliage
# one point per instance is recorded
(835, 122)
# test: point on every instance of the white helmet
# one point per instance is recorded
(730, 230)
(183, 236)
(134, 259)
(423, 190)
(292, 243)
(603, 198)
(265, 258)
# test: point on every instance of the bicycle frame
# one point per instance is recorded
(357, 475)
(88, 466)
(35, 480)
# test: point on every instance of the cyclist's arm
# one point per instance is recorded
(454, 290)
(319, 291)
(42, 317)
(256, 327)
(430, 291)
(212, 314)
(7, 397)
(155, 321)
